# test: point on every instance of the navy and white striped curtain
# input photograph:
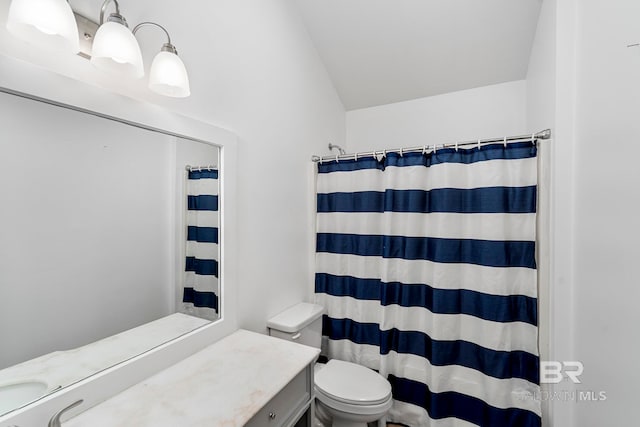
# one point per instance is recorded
(426, 266)
(201, 286)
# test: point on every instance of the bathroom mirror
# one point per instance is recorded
(93, 243)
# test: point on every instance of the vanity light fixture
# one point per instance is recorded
(168, 75)
(115, 48)
(49, 24)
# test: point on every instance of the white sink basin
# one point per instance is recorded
(13, 396)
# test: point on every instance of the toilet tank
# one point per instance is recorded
(301, 323)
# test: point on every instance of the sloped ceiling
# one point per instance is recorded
(384, 51)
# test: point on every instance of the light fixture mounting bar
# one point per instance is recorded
(86, 31)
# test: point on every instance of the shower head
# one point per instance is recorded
(340, 149)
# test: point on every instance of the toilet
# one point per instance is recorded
(347, 394)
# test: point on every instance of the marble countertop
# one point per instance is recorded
(61, 368)
(225, 384)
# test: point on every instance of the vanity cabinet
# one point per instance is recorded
(291, 406)
(245, 379)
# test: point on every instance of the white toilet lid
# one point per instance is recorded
(351, 383)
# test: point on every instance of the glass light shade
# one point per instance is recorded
(116, 50)
(49, 24)
(168, 76)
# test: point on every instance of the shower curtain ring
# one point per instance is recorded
(505, 142)
(355, 156)
(424, 150)
(456, 146)
(479, 146)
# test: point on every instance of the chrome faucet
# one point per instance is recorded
(55, 420)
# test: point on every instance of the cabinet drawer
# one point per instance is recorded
(287, 405)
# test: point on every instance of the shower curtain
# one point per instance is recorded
(200, 293)
(426, 266)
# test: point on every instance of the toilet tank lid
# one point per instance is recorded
(296, 317)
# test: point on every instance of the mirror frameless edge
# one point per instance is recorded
(31, 380)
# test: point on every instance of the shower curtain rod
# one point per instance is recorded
(190, 168)
(545, 134)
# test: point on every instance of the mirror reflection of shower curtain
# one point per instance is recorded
(201, 283)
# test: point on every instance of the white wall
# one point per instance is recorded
(595, 100)
(606, 209)
(254, 71)
(486, 112)
(541, 112)
(541, 74)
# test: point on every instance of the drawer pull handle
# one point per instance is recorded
(272, 415)
(296, 336)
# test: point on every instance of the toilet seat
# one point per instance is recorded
(349, 409)
(341, 383)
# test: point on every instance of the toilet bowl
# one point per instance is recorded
(347, 394)
(350, 395)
